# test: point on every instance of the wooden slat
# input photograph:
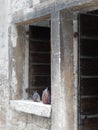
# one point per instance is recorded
(39, 46)
(89, 47)
(40, 81)
(39, 69)
(44, 58)
(90, 124)
(89, 67)
(89, 86)
(39, 33)
(89, 106)
(89, 28)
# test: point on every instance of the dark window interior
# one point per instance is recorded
(39, 59)
(88, 71)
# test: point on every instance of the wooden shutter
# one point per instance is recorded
(39, 59)
(88, 72)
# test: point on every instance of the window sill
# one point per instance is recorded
(27, 106)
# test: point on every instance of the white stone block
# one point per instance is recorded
(36, 2)
(28, 106)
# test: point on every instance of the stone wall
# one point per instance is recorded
(12, 58)
(3, 64)
(11, 71)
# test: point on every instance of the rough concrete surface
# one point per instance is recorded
(11, 69)
(12, 66)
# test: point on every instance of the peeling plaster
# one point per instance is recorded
(18, 5)
(14, 35)
(14, 79)
(36, 2)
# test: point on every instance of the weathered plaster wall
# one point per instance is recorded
(3, 63)
(16, 120)
(12, 70)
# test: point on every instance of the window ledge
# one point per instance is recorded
(27, 106)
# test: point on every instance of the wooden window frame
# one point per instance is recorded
(26, 70)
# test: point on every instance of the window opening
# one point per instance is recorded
(39, 57)
(88, 71)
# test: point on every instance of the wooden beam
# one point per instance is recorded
(33, 20)
(32, 15)
(76, 5)
(35, 14)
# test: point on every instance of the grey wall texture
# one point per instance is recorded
(12, 69)
(10, 78)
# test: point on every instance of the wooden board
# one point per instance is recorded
(90, 124)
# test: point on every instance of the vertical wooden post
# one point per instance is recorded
(56, 73)
(67, 72)
(62, 71)
(75, 51)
